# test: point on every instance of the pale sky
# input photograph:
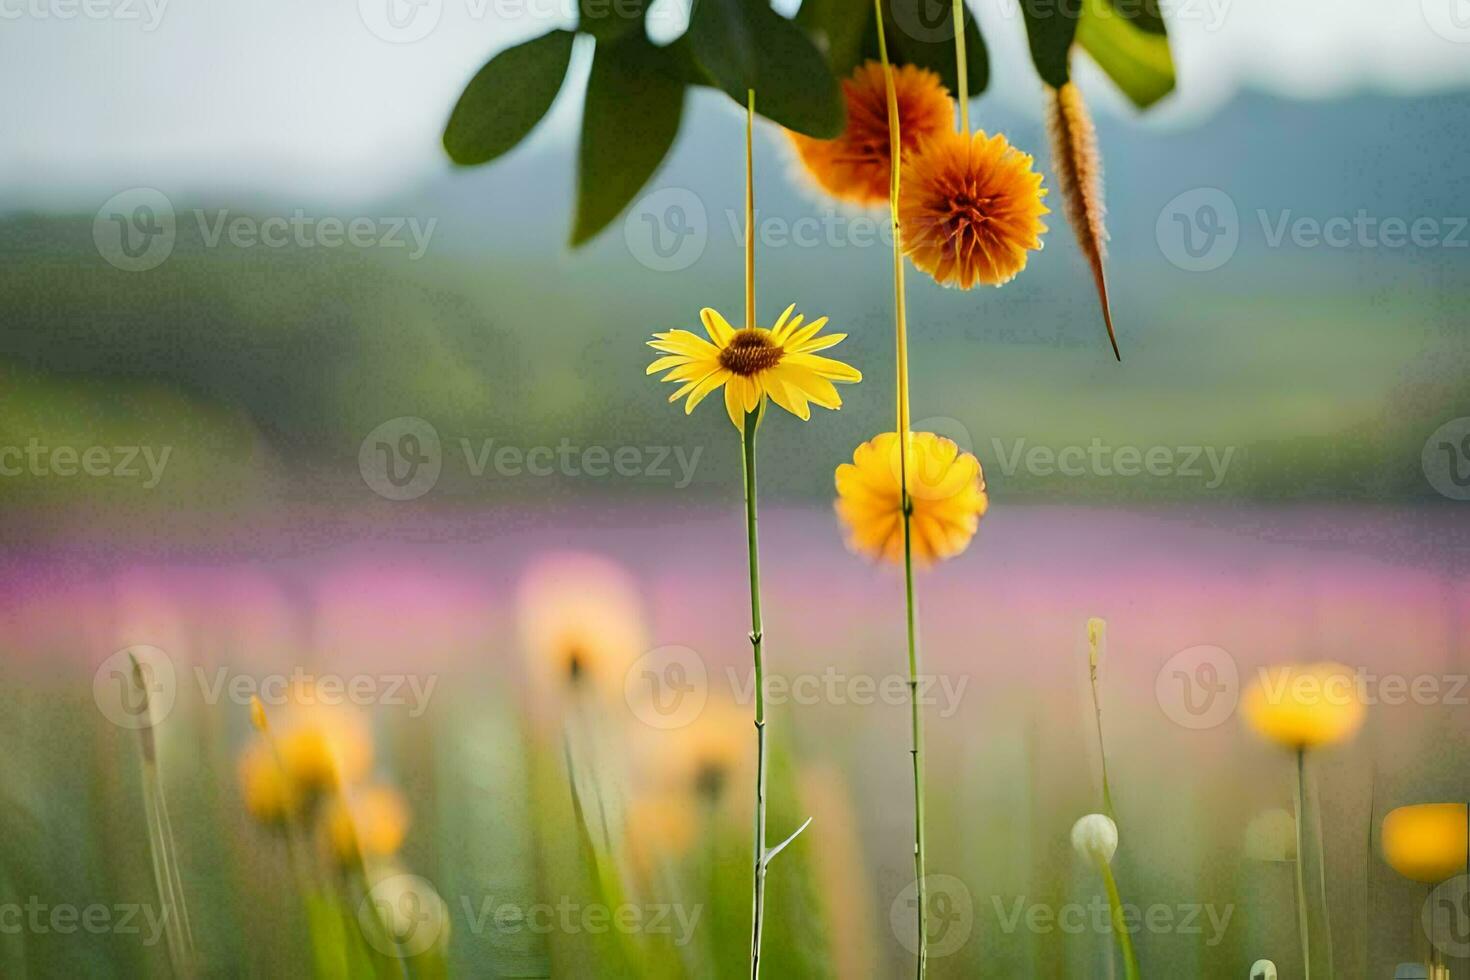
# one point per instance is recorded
(303, 96)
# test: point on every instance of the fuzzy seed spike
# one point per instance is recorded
(1078, 167)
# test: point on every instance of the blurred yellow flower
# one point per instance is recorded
(1304, 706)
(856, 166)
(267, 794)
(781, 362)
(1427, 842)
(660, 826)
(970, 209)
(581, 625)
(374, 819)
(322, 747)
(946, 492)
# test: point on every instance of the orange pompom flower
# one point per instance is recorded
(855, 167)
(970, 209)
(946, 491)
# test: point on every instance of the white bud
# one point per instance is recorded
(1263, 970)
(1095, 837)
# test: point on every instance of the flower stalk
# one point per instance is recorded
(747, 443)
(916, 721)
(1301, 850)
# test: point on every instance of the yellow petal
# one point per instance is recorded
(826, 367)
(706, 386)
(816, 343)
(716, 326)
(781, 320)
(671, 360)
(734, 406)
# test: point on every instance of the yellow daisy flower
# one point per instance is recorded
(946, 492)
(781, 362)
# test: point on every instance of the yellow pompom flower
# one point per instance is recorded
(856, 166)
(970, 209)
(1427, 842)
(1304, 706)
(946, 492)
(373, 820)
(752, 363)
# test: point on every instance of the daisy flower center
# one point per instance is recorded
(750, 352)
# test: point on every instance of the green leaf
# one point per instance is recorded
(1137, 59)
(635, 98)
(744, 45)
(507, 98)
(608, 20)
(921, 32)
(1145, 15)
(838, 27)
(1051, 26)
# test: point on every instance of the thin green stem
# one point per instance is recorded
(1301, 855)
(962, 74)
(750, 209)
(1120, 924)
(758, 891)
(1101, 746)
(1319, 847)
(901, 342)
